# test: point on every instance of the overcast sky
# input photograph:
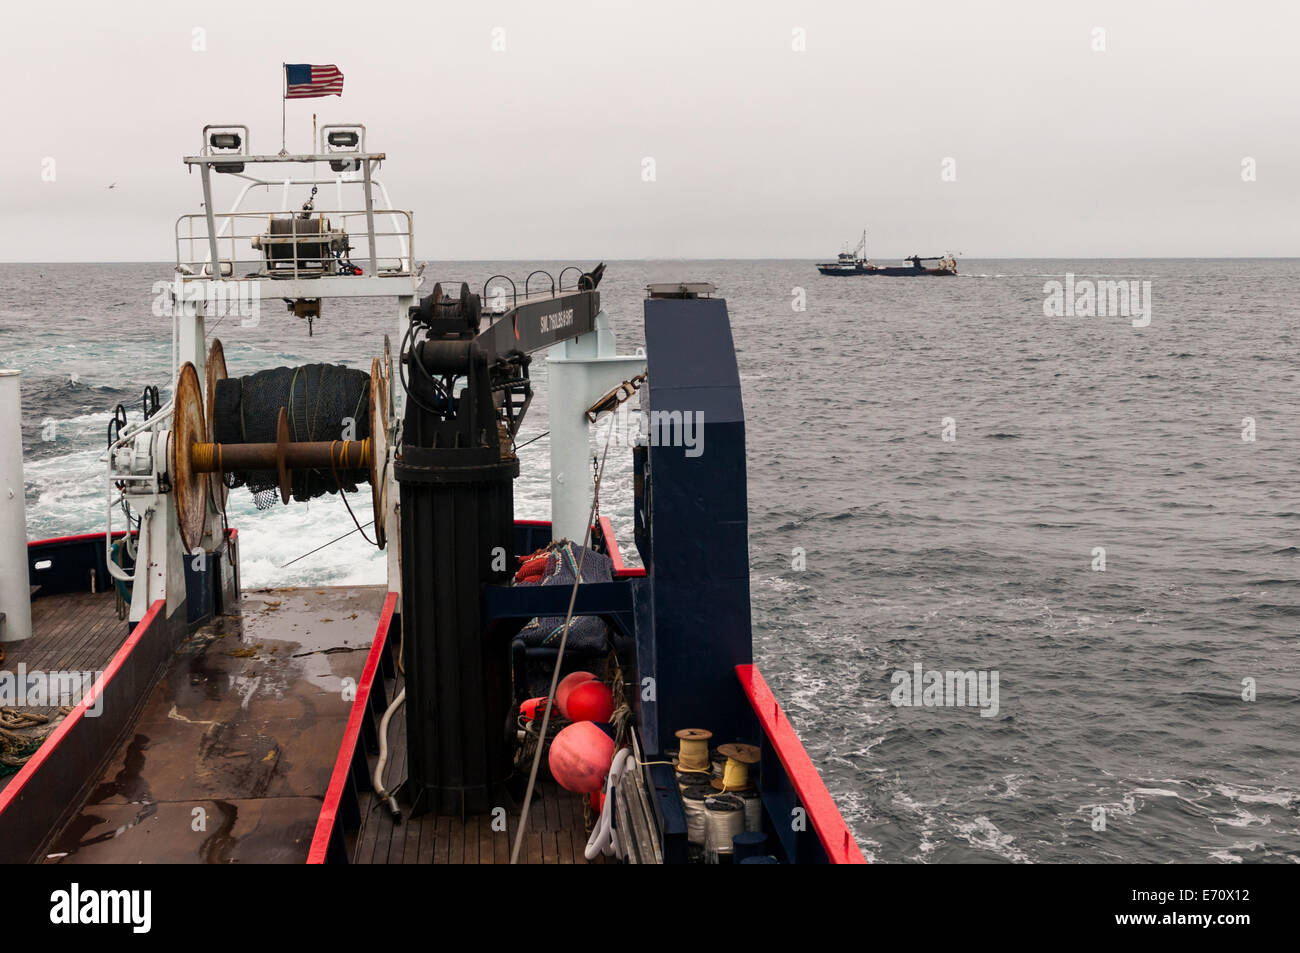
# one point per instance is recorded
(760, 149)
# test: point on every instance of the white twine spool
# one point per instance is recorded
(725, 818)
(753, 811)
(696, 816)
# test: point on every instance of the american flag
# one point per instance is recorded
(304, 82)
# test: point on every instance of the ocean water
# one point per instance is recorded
(935, 467)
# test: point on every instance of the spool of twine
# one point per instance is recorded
(693, 753)
(686, 779)
(753, 810)
(735, 775)
(724, 819)
(693, 799)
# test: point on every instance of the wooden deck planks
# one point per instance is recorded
(71, 632)
(556, 834)
(556, 830)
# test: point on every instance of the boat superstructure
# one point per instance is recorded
(419, 719)
(848, 262)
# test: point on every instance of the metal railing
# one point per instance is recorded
(248, 248)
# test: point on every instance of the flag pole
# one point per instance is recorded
(284, 92)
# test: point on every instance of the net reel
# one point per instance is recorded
(381, 427)
(216, 371)
(198, 464)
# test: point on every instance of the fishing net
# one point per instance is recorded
(587, 633)
(324, 402)
(15, 752)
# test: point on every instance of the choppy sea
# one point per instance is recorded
(937, 469)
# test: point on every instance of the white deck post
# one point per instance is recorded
(392, 525)
(579, 372)
(15, 591)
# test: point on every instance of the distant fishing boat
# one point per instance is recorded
(855, 263)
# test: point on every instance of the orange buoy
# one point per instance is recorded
(567, 684)
(533, 708)
(580, 757)
(590, 701)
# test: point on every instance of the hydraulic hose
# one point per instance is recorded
(385, 796)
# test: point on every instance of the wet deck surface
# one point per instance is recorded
(232, 752)
(556, 832)
(72, 632)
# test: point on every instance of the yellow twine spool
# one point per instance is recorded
(735, 773)
(693, 750)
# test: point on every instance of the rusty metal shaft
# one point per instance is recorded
(322, 455)
(282, 456)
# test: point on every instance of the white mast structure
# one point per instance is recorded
(250, 255)
(240, 256)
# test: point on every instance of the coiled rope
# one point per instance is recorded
(15, 748)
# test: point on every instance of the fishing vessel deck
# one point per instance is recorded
(232, 751)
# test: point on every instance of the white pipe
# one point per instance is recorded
(384, 795)
(15, 583)
(604, 838)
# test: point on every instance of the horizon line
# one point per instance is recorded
(146, 261)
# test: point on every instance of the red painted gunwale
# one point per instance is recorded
(15, 787)
(621, 570)
(817, 801)
(328, 816)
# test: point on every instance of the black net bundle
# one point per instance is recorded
(324, 402)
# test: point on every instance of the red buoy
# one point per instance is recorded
(590, 701)
(580, 757)
(567, 684)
